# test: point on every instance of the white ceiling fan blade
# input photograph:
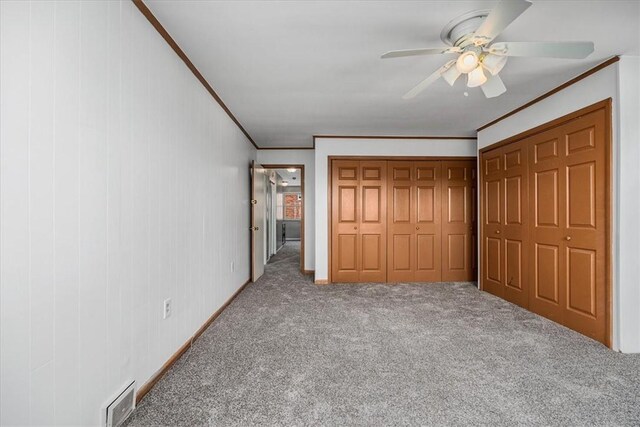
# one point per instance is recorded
(493, 86)
(571, 50)
(417, 52)
(426, 82)
(500, 17)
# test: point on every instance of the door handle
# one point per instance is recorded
(497, 231)
(567, 238)
(417, 228)
(355, 228)
(254, 228)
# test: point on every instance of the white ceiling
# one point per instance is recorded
(293, 178)
(289, 70)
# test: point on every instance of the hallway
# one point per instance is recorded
(288, 352)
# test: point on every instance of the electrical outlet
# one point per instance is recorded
(233, 266)
(166, 308)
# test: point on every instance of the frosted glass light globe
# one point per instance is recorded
(467, 62)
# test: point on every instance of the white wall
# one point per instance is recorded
(306, 158)
(618, 82)
(628, 206)
(122, 183)
(326, 147)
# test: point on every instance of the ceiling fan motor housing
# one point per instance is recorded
(459, 31)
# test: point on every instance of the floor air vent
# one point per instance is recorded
(121, 407)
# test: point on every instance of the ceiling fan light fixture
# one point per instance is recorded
(451, 75)
(476, 77)
(494, 63)
(467, 62)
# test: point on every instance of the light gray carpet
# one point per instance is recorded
(288, 352)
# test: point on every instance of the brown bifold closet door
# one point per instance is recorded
(358, 221)
(545, 224)
(457, 220)
(414, 221)
(568, 178)
(515, 225)
(492, 217)
(505, 223)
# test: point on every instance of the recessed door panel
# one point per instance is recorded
(457, 199)
(348, 172)
(371, 252)
(581, 186)
(513, 263)
(401, 204)
(371, 173)
(402, 252)
(546, 273)
(492, 202)
(513, 159)
(457, 173)
(546, 198)
(493, 258)
(492, 165)
(583, 139)
(581, 280)
(546, 150)
(457, 251)
(426, 204)
(401, 173)
(426, 259)
(425, 173)
(513, 200)
(347, 256)
(347, 204)
(371, 204)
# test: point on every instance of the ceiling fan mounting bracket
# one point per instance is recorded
(459, 31)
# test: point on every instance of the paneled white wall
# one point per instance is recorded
(122, 183)
(326, 147)
(306, 158)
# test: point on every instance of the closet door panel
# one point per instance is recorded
(546, 214)
(457, 223)
(401, 198)
(345, 218)
(584, 239)
(515, 229)
(427, 214)
(373, 221)
(492, 259)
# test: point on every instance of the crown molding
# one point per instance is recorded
(142, 7)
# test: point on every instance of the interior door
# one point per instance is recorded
(457, 226)
(258, 212)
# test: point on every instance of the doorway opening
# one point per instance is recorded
(277, 216)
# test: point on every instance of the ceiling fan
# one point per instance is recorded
(470, 37)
